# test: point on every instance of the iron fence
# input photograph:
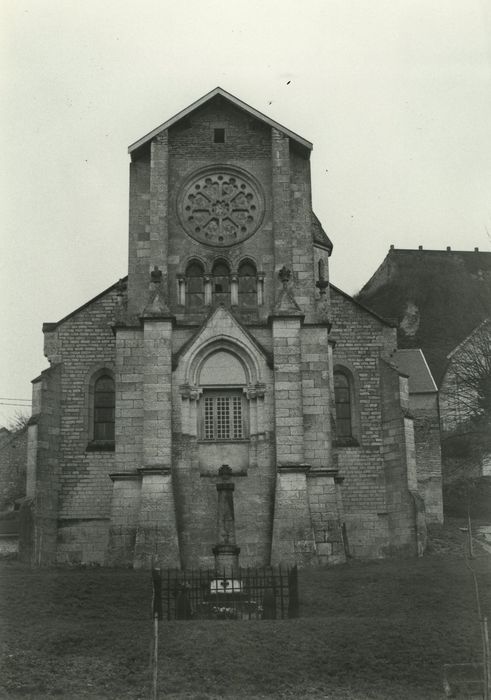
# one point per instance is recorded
(242, 594)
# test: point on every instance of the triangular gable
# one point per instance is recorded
(233, 100)
(469, 338)
(221, 326)
(51, 326)
(360, 306)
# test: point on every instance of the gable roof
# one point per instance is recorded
(233, 100)
(412, 362)
(176, 356)
(51, 326)
(361, 306)
(481, 327)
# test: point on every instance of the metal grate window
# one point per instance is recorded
(208, 418)
(223, 417)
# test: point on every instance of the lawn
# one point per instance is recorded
(379, 630)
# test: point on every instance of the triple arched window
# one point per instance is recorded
(243, 288)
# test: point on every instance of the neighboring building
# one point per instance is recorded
(436, 298)
(423, 405)
(224, 345)
(13, 458)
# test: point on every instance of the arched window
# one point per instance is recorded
(342, 399)
(222, 401)
(103, 409)
(247, 284)
(221, 282)
(195, 285)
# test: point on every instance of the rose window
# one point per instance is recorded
(221, 208)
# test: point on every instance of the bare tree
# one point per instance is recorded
(466, 390)
(18, 422)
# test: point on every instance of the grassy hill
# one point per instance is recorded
(378, 629)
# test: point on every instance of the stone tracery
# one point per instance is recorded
(221, 207)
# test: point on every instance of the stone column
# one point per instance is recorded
(326, 510)
(156, 535)
(293, 535)
(226, 551)
(125, 507)
(159, 186)
(286, 322)
(149, 187)
(157, 529)
(281, 200)
(157, 429)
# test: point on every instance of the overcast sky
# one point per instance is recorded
(395, 96)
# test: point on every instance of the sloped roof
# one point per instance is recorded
(233, 100)
(361, 306)
(478, 329)
(412, 362)
(319, 236)
(51, 326)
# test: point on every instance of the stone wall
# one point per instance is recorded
(85, 343)
(360, 340)
(399, 462)
(424, 408)
(39, 517)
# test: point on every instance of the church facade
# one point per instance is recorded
(224, 345)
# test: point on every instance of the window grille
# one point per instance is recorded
(223, 417)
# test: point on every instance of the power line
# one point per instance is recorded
(22, 405)
(10, 398)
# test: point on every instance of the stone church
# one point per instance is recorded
(226, 344)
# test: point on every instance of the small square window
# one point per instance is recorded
(218, 135)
